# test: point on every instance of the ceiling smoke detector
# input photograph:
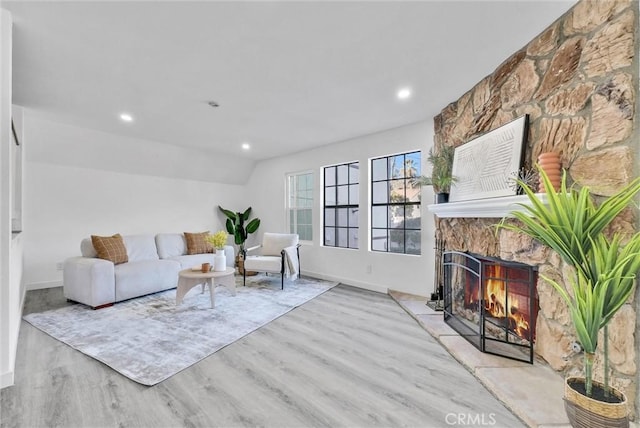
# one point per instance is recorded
(213, 104)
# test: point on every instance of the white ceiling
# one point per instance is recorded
(288, 76)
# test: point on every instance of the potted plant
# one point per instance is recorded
(441, 177)
(605, 269)
(236, 226)
(218, 241)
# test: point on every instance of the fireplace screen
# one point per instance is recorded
(492, 303)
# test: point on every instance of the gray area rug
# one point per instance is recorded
(149, 339)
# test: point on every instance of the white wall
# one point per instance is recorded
(411, 274)
(61, 144)
(10, 245)
(65, 203)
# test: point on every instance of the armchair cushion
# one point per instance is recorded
(274, 243)
(271, 264)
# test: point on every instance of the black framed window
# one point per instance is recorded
(395, 203)
(341, 205)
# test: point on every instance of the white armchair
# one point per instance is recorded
(279, 253)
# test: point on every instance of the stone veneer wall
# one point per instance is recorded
(578, 82)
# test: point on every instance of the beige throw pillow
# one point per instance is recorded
(197, 243)
(110, 248)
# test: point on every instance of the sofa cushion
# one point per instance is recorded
(171, 245)
(110, 248)
(141, 247)
(138, 278)
(193, 260)
(197, 243)
(87, 250)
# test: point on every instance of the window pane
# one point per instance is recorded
(412, 217)
(379, 216)
(354, 194)
(343, 174)
(308, 181)
(354, 172)
(413, 241)
(414, 191)
(396, 191)
(304, 217)
(343, 196)
(380, 192)
(342, 236)
(305, 232)
(396, 241)
(330, 176)
(379, 169)
(396, 166)
(308, 199)
(379, 239)
(329, 236)
(353, 238)
(396, 216)
(342, 217)
(329, 216)
(412, 165)
(330, 196)
(353, 217)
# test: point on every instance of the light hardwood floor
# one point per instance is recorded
(349, 358)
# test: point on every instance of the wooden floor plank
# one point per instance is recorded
(349, 358)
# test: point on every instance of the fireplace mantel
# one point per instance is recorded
(487, 208)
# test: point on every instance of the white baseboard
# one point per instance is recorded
(6, 379)
(41, 285)
(347, 281)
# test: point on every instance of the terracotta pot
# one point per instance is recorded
(550, 163)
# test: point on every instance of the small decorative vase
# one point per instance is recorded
(219, 261)
(550, 163)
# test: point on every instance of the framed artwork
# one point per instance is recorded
(486, 166)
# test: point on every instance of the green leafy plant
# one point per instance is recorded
(441, 174)
(574, 226)
(236, 225)
(218, 239)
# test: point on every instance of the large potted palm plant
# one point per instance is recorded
(574, 226)
(239, 226)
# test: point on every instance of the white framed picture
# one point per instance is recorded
(487, 166)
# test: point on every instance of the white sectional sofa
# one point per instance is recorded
(154, 263)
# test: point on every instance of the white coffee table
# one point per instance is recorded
(188, 278)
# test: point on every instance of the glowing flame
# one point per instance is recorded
(495, 298)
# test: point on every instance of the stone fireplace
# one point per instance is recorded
(578, 82)
(492, 303)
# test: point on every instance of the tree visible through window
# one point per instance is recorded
(300, 204)
(395, 203)
(341, 205)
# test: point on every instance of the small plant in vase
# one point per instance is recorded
(441, 175)
(218, 240)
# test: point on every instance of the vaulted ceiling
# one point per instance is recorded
(288, 76)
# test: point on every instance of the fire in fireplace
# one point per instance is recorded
(492, 303)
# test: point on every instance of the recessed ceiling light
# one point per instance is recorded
(126, 117)
(246, 146)
(404, 93)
